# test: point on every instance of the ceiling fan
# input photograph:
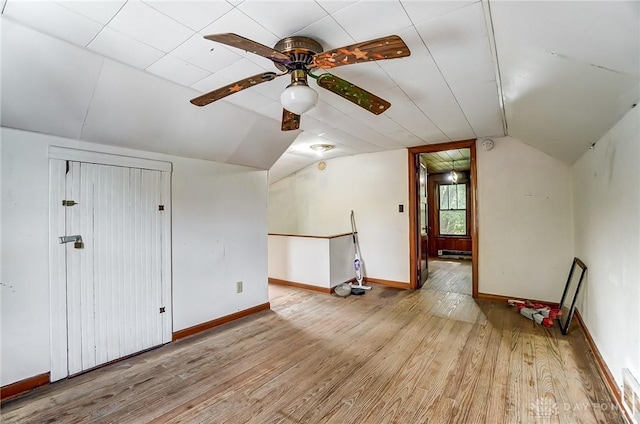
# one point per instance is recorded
(299, 56)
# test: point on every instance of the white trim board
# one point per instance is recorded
(65, 153)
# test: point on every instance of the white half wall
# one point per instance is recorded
(525, 226)
(319, 202)
(219, 237)
(607, 239)
(341, 257)
(302, 260)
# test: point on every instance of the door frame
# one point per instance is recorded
(57, 252)
(414, 227)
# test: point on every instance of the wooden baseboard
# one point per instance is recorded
(504, 299)
(277, 281)
(610, 382)
(12, 390)
(219, 321)
(388, 283)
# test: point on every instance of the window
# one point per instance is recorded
(453, 209)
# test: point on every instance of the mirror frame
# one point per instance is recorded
(565, 321)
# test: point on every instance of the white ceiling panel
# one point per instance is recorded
(313, 126)
(353, 142)
(194, 14)
(407, 139)
(380, 123)
(356, 129)
(374, 81)
(241, 69)
(419, 65)
(587, 101)
(274, 88)
(147, 25)
(459, 45)
(603, 33)
(481, 106)
(40, 92)
(367, 20)
(206, 54)
(98, 10)
(252, 100)
(238, 23)
(325, 112)
(177, 70)
(51, 18)
(434, 97)
(459, 26)
(283, 18)
(327, 32)
(156, 115)
(334, 5)
(210, 83)
(111, 43)
(420, 10)
(454, 62)
(411, 118)
(271, 110)
(261, 145)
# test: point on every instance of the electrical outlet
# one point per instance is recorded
(239, 287)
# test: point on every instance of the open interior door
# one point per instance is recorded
(423, 223)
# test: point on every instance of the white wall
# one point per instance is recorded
(318, 202)
(524, 221)
(219, 236)
(607, 238)
(315, 261)
(300, 260)
(341, 257)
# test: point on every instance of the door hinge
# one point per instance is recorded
(68, 203)
(160, 207)
(162, 309)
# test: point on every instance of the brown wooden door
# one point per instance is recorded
(422, 216)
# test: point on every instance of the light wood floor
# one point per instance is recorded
(389, 356)
(449, 275)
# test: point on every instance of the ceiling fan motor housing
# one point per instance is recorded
(301, 51)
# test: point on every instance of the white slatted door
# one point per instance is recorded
(114, 283)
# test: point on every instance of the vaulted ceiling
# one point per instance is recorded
(556, 75)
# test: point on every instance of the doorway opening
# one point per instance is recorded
(442, 218)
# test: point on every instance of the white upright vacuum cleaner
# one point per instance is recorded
(357, 263)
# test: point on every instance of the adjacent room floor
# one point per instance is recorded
(433, 355)
(450, 275)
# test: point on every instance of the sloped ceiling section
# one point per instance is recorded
(570, 70)
(53, 87)
(141, 61)
(555, 74)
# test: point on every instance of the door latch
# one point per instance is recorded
(77, 241)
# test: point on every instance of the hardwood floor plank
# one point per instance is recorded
(390, 356)
(496, 401)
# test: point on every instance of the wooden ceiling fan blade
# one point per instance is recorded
(240, 42)
(389, 47)
(290, 121)
(353, 93)
(234, 87)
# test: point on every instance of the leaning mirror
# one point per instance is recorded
(570, 294)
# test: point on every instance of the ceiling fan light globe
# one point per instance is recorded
(299, 99)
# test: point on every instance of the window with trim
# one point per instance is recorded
(452, 209)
